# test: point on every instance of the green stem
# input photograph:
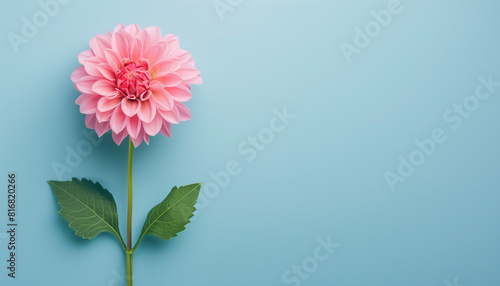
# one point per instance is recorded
(129, 253)
(129, 258)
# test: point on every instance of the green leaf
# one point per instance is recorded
(87, 206)
(170, 216)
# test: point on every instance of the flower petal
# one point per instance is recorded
(185, 56)
(162, 98)
(134, 127)
(187, 72)
(120, 45)
(84, 84)
(171, 116)
(164, 67)
(138, 140)
(113, 59)
(152, 128)
(101, 128)
(180, 93)
(91, 66)
(103, 116)
(118, 137)
(90, 121)
(130, 107)
(99, 43)
(83, 56)
(148, 111)
(104, 87)
(165, 129)
(133, 29)
(135, 50)
(169, 79)
(153, 53)
(195, 80)
(118, 120)
(154, 35)
(106, 71)
(106, 104)
(119, 27)
(184, 113)
(88, 103)
(78, 73)
(172, 45)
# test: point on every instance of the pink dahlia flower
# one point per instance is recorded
(134, 82)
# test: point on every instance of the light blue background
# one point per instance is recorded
(322, 176)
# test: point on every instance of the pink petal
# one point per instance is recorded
(152, 128)
(78, 73)
(185, 57)
(138, 140)
(172, 45)
(88, 103)
(153, 53)
(106, 104)
(82, 98)
(133, 30)
(171, 116)
(83, 56)
(148, 111)
(144, 62)
(102, 128)
(104, 87)
(165, 129)
(84, 84)
(136, 50)
(184, 112)
(118, 137)
(99, 43)
(170, 79)
(118, 120)
(106, 71)
(134, 126)
(119, 27)
(162, 98)
(103, 116)
(164, 67)
(90, 66)
(120, 44)
(130, 107)
(90, 121)
(154, 34)
(195, 80)
(180, 93)
(187, 72)
(113, 59)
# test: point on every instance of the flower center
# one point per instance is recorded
(133, 81)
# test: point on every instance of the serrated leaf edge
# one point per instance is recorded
(115, 232)
(144, 232)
